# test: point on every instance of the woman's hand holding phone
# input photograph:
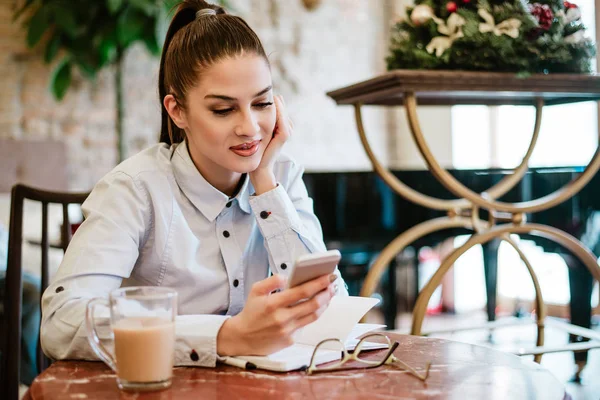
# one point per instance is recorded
(263, 178)
(268, 321)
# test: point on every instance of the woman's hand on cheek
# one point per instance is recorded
(263, 178)
(268, 320)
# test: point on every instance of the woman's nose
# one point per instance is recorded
(248, 125)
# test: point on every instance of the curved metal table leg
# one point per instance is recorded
(470, 202)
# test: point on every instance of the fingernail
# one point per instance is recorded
(332, 289)
(332, 277)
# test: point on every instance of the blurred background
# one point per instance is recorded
(100, 113)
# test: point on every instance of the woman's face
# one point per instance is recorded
(230, 117)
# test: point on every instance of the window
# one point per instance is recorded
(484, 137)
(498, 137)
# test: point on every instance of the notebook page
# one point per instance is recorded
(338, 320)
(361, 329)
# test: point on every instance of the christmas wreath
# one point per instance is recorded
(492, 35)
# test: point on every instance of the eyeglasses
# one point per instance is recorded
(359, 355)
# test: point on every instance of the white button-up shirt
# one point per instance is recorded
(155, 221)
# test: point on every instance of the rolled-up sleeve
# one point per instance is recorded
(288, 223)
(102, 253)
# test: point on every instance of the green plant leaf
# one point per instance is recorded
(148, 7)
(88, 68)
(79, 45)
(61, 79)
(66, 20)
(52, 48)
(130, 27)
(114, 5)
(108, 51)
(151, 45)
(37, 25)
(169, 6)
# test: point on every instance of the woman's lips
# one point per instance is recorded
(246, 149)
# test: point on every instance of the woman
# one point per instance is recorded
(209, 211)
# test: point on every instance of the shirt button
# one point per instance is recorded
(226, 234)
(229, 204)
(236, 283)
(59, 289)
(264, 214)
(194, 356)
(283, 266)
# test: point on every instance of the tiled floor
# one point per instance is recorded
(560, 364)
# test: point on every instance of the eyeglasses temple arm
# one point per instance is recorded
(388, 356)
(415, 373)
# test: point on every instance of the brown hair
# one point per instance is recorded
(192, 44)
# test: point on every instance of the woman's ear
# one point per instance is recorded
(175, 111)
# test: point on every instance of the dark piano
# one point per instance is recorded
(360, 214)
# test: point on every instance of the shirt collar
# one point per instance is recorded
(243, 196)
(205, 197)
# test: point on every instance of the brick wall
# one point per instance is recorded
(341, 42)
(84, 120)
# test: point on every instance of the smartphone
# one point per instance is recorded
(311, 266)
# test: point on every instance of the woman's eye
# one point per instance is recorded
(224, 111)
(263, 105)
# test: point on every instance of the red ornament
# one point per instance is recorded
(451, 7)
(543, 14)
(569, 5)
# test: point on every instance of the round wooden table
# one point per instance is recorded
(458, 371)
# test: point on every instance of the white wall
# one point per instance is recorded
(340, 43)
(435, 124)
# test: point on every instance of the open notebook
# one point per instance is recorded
(340, 321)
